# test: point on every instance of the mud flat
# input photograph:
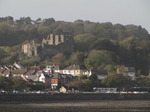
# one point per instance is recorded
(79, 106)
(29, 98)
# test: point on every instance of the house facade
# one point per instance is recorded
(52, 69)
(75, 70)
(44, 77)
(58, 78)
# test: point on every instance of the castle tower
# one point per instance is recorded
(30, 49)
(51, 40)
(62, 38)
(57, 39)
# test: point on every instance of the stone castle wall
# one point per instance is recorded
(30, 49)
(50, 46)
(54, 39)
(57, 44)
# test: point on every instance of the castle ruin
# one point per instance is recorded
(50, 46)
(30, 48)
(53, 39)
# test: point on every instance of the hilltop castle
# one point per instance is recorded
(49, 46)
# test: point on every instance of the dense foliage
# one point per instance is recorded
(18, 84)
(116, 80)
(97, 45)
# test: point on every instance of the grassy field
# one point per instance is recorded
(79, 106)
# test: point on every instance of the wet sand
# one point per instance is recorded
(100, 104)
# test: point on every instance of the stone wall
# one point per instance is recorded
(56, 44)
(50, 50)
(55, 39)
(50, 46)
(30, 48)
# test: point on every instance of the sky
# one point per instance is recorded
(125, 12)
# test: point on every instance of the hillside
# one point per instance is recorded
(97, 45)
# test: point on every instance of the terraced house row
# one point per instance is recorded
(53, 74)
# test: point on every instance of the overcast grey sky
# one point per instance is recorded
(116, 11)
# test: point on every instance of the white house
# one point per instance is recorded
(52, 69)
(44, 77)
(75, 70)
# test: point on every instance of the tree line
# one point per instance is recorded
(97, 45)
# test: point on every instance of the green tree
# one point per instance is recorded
(103, 44)
(83, 41)
(78, 27)
(36, 86)
(59, 59)
(77, 58)
(97, 58)
(64, 27)
(13, 59)
(143, 81)
(48, 22)
(4, 29)
(76, 83)
(87, 85)
(2, 53)
(19, 83)
(104, 30)
(93, 78)
(5, 83)
(110, 68)
(117, 80)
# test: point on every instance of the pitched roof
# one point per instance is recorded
(47, 75)
(2, 70)
(73, 67)
(54, 67)
(6, 72)
(31, 77)
(56, 76)
(21, 71)
(30, 72)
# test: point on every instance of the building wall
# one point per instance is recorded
(54, 81)
(30, 49)
(72, 72)
(63, 90)
(78, 72)
(42, 78)
(55, 39)
(25, 48)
